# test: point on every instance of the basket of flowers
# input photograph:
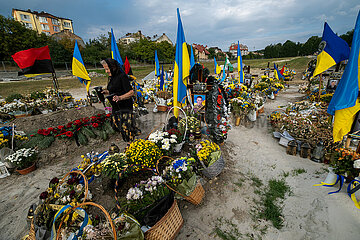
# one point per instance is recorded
(180, 178)
(210, 157)
(71, 189)
(143, 195)
(23, 159)
(180, 137)
(87, 231)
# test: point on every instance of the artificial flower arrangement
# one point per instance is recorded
(143, 153)
(22, 158)
(164, 141)
(91, 164)
(343, 162)
(84, 128)
(207, 152)
(112, 165)
(60, 193)
(193, 124)
(180, 175)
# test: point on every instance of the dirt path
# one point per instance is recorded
(251, 153)
(309, 213)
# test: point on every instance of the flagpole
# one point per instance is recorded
(320, 87)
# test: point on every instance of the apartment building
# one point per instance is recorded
(42, 22)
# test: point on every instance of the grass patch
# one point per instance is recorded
(239, 183)
(285, 174)
(227, 230)
(271, 211)
(298, 171)
(256, 181)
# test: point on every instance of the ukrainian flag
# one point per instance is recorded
(240, 65)
(181, 67)
(192, 58)
(217, 69)
(345, 103)
(78, 68)
(157, 65)
(335, 51)
(277, 73)
(115, 54)
(162, 81)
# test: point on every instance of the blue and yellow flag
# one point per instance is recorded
(240, 66)
(277, 74)
(336, 50)
(224, 72)
(115, 54)
(192, 58)
(157, 65)
(162, 81)
(78, 68)
(344, 104)
(217, 69)
(181, 68)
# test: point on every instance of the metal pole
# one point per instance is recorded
(66, 66)
(320, 87)
(3, 66)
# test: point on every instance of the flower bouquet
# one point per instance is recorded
(113, 165)
(179, 139)
(70, 190)
(164, 141)
(343, 162)
(209, 155)
(143, 153)
(181, 178)
(23, 159)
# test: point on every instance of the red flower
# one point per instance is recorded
(50, 129)
(85, 120)
(95, 125)
(69, 134)
(69, 125)
(32, 135)
(60, 127)
(108, 115)
(46, 132)
(218, 117)
(77, 122)
(62, 130)
(40, 131)
(219, 99)
(99, 115)
(44, 195)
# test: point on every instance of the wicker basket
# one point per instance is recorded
(195, 197)
(32, 226)
(215, 169)
(161, 108)
(92, 204)
(168, 226)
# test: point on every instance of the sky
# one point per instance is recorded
(255, 23)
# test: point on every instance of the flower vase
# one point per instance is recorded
(27, 170)
(252, 115)
(178, 147)
(237, 121)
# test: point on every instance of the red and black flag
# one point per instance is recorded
(34, 61)
(127, 67)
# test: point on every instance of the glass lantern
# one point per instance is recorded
(319, 151)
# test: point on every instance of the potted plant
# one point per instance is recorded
(164, 141)
(179, 139)
(143, 153)
(343, 162)
(209, 155)
(24, 160)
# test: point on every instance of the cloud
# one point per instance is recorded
(255, 23)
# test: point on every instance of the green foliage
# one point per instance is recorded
(88, 132)
(83, 140)
(11, 97)
(37, 95)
